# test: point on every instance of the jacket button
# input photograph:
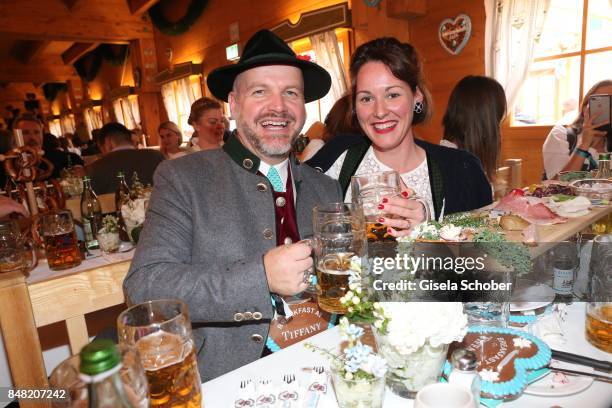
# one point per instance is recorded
(247, 163)
(262, 187)
(238, 317)
(280, 202)
(288, 241)
(257, 338)
(257, 315)
(248, 315)
(268, 234)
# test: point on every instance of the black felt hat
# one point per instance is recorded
(265, 48)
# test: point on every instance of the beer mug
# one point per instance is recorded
(17, 252)
(161, 332)
(369, 190)
(60, 240)
(599, 295)
(339, 234)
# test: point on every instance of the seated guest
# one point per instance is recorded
(170, 140)
(475, 110)
(206, 118)
(93, 147)
(138, 138)
(577, 146)
(223, 237)
(390, 97)
(121, 156)
(31, 129)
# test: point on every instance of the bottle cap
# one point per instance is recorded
(464, 360)
(604, 156)
(120, 174)
(99, 356)
(86, 178)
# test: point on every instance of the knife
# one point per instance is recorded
(597, 377)
(599, 365)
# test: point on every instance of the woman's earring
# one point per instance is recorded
(418, 107)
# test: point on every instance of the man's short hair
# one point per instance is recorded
(27, 117)
(117, 133)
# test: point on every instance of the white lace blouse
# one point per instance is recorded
(417, 179)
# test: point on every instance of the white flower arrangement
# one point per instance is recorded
(410, 325)
(359, 308)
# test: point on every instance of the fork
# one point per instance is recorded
(245, 394)
(289, 395)
(317, 386)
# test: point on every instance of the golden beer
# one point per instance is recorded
(333, 281)
(375, 231)
(171, 368)
(62, 250)
(599, 327)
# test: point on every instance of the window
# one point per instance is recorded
(178, 96)
(574, 52)
(93, 118)
(55, 127)
(127, 112)
(67, 123)
(318, 110)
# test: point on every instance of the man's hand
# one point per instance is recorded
(8, 206)
(285, 266)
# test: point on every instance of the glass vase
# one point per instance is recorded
(408, 373)
(357, 393)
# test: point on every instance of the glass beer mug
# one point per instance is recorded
(598, 329)
(61, 245)
(17, 252)
(339, 234)
(161, 332)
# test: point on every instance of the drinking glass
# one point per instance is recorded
(369, 190)
(61, 244)
(17, 253)
(161, 332)
(339, 234)
(598, 329)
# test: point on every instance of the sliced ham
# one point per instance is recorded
(513, 203)
(534, 213)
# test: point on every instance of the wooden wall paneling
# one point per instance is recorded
(152, 112)
(406, 9)
(372, 22)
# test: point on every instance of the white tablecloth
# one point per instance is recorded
(221, 392)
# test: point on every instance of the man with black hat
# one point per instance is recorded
(224, 226)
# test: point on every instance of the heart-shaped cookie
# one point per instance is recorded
(454, 34)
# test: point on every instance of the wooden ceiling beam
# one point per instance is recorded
(76, 51)
(106, 21)
(26, 51)
(138, 7)
(46, 70)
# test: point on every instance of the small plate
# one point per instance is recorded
(125, 246)
(546, 387)
(530, 295)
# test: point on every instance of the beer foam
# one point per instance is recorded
(162, 349)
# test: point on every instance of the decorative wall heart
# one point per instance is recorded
(454, 34)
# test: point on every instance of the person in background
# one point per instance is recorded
(475, 110)
(121, 156)
(93, 147)
(138, 138)
(225, 238)
(576, 147)
(170, 140)
(389, 99)
(206, 118)
(32, 132)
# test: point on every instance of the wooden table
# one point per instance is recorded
(47, 297)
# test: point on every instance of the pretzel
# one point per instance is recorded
(58, 194)
(46, 173)
(21, 165)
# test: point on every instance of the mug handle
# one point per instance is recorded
(34, 258)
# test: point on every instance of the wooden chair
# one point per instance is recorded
(508, 177)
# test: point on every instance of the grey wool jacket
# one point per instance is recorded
(209, 223)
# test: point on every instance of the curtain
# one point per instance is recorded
(94, 119)
(167, 91)
(127, 113)
(67, 124)
(118, 111)
(134, 110)
(512, 31)
(186, 95)
(55, 127)
(329, 56)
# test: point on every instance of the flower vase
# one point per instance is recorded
(410, 372)
(108, 241)
(358, 393)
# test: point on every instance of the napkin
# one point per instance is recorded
(548, 328)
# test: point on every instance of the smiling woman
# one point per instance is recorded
(389, 97)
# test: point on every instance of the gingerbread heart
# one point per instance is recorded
(454, 34)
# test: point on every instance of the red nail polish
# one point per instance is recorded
(405, 194)
(388, 230)
(385, 200)
(381, 219)
(381, 207)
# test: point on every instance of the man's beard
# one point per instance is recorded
(273, 150)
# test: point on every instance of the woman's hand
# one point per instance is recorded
(589, 135)
(403, 213)
(8, 206)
